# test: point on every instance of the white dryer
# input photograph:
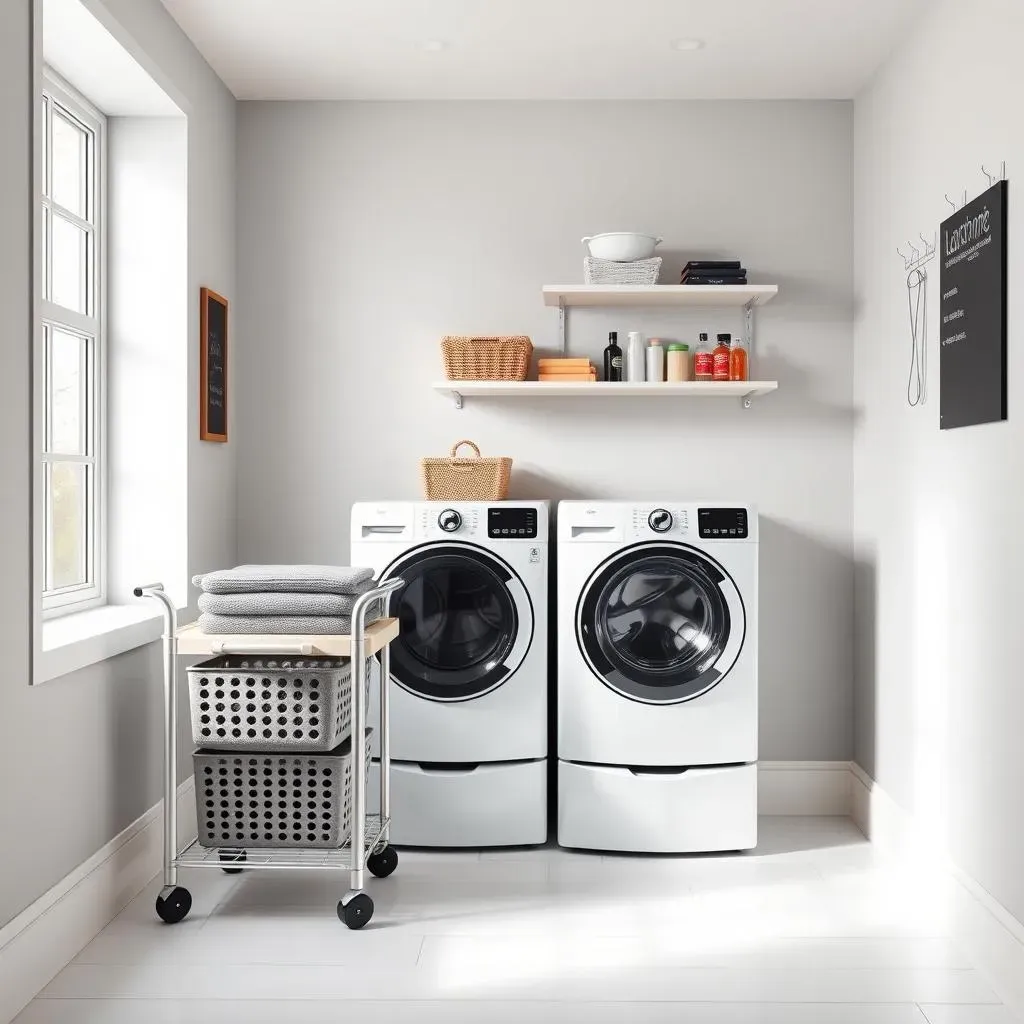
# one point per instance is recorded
(469, 680)
(657, 676)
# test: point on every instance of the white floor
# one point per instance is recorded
(809, 929)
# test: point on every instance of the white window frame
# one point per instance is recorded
(93, 593)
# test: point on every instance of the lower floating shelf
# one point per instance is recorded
(196, 856)
(746, 390)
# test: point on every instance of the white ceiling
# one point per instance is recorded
(544, 49)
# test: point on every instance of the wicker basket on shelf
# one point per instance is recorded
(458, 478)
(496, 358)
(639, 272)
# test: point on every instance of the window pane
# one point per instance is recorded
(70, 165)
(68, 524)
(68, 281)
(67, 393)
(43, 132)
(44, 283)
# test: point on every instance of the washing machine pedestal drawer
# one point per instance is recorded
(490, 805)
(699, 810)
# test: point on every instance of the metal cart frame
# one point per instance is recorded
(368, 847)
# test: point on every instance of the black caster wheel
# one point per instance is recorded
(383, 863)
(174, 907)
(232, 857)
(357, 911)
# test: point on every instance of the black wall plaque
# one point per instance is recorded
(213, 366)
(972, 353)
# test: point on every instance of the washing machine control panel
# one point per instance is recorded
(658, 520)
(449, 520)
(505, 523)
(722, 523)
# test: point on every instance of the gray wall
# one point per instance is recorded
(79, 756)
(939, 547)
(367, 231)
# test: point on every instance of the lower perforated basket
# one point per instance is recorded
(275, 800)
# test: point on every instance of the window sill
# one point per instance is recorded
(75, 641)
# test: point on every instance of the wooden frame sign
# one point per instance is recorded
(213, 366)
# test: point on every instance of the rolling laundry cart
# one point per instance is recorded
(367, 846)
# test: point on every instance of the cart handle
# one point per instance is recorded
(223, 647)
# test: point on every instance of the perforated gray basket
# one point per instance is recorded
(271, 704)
(275, 800)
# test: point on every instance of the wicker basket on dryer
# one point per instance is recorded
(504, 357)
(458, 478)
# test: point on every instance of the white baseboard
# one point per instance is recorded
(990, 935)
(46, 936)
(803, 787)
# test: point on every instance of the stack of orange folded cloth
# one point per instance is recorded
(561, 370)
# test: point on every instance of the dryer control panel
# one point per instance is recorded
(722, 523)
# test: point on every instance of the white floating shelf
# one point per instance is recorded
(457, 390)
(680, 295)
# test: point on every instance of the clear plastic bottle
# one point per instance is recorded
(655, 361)
(703, 360)
(739, 364)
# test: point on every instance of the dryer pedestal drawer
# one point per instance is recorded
(698, 810)
(491, 805)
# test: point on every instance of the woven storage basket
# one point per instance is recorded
(461, 479)
(596, 271)
(500, 358)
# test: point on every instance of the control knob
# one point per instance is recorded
(449, 520)
(660, 520)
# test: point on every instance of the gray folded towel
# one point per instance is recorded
(282, 603)
(300, 579)
(291, 624)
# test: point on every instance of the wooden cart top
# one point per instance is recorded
(191, 641)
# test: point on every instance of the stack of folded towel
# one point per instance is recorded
(282, 599)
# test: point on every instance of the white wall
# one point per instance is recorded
(79, 756)
(939, 546)
(367, 231)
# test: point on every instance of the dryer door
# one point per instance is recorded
(660, 623)
(466, 622)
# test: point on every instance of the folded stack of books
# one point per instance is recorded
(561, 370)
(714, 272)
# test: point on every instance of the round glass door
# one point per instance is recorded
(466, 622)
(660, 624)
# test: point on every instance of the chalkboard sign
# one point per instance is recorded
(213, 366)
(972, 353)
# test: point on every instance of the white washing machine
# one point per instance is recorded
(657, 676)
(469, 680)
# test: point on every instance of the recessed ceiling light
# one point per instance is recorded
(687, 44)
(435, 45)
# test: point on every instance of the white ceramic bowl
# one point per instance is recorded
(621, 246)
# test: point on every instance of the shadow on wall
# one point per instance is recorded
(806, 645)
(865, 675)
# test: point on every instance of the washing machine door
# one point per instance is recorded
(660, 623)
(466, 622)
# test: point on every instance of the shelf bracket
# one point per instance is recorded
(562, 344)
(748, 328)
(747, 401)
(456, 398)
